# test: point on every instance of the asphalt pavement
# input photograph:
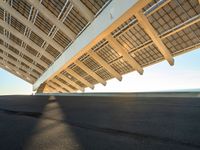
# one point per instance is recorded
(99, 123)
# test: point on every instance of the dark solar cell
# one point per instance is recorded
(36, 39)
(22, 7)
(52, 51)
(75, 21)
(94, 5)
(55, 6)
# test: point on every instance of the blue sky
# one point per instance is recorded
(185, 74)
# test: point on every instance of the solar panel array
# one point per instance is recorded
(176, 22)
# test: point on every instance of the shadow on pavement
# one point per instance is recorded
(88, 123)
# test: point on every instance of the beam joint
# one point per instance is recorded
(148, 28)
(52, 18)
(83, 9)
(90, 72)
(120, 49)
(102, 62)
(78, 77)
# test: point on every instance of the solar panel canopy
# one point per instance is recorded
(69, 45)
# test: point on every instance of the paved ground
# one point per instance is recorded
(99, 123)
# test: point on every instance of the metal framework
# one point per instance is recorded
(69, 45)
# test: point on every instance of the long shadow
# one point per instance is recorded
(18, 118)
(132, 123)
(104, 123)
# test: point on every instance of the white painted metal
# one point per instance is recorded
(83, 9)
(29, 24)
(25, 39)
(52, 18)
(98, 29)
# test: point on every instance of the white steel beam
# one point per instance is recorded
(52, 18)
(25, 39)
(29, 24)
(90, 72)
(102, 62)
(144, 22)
(70, 82)
(119, 48)
(115, 14)
(83, 9)
(78, 77)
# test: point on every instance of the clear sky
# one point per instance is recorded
(185, 74)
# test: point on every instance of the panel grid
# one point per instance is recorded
(153, 2)
(174, 13)
(13, 49)
(72, 78)
(31, 50)
(67, 84)
(1, 14)
(33, 76)
(183, 39)
(12, 57)
(17, 25)
(75, 21)
(15, 39)
(43, 24)
(22, 7)
(36, 39)
(46, 60)
(52, 51)
(133, 37)
(11, 63)
(104, 74)
(99, 45)
(1, 30)
(80, 84)
(90, 79)
(121, 66)
(62, 39)
(54, 6)
(107, 53)
(94, 5)
(28, 58)
(36, 72)
(22, 70)
(25, 65)
(40, 66)
(124, 26)
(91, 64)
(147, 55)
(79, 71)
(1, 41)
